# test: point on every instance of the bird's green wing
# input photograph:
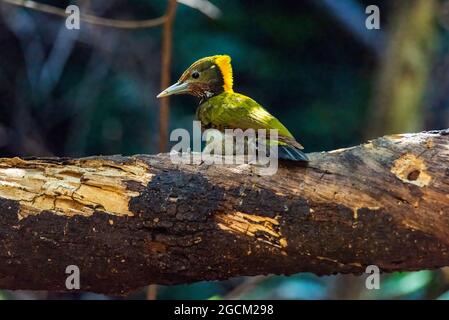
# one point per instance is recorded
(236, 111)
(233, 110)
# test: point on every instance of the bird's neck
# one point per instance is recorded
(206, 95)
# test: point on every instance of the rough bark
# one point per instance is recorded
(130, 221)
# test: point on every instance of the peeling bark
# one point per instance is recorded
(130, 221)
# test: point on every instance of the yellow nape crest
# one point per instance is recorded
(224, 63)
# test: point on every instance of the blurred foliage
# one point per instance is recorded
(70, 93)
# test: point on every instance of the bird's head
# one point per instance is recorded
(205, 78)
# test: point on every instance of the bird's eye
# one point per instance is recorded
(195, 74)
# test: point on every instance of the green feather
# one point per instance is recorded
(234, 110)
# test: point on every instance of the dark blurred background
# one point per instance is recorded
(311, 63)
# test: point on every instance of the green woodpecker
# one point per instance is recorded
(221, 108)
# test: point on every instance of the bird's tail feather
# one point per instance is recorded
(291, 153)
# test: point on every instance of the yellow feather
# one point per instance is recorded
(224, 63)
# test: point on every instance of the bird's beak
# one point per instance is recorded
(176, 88)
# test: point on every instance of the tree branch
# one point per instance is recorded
(130, 221)
(166, 54)
(91, 19)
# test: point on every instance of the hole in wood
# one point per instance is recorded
(414, 175)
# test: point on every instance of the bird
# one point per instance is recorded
(211, 80)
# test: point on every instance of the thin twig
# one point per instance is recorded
(165, 73)
(91, 19)
(205, 7)
(151, 293)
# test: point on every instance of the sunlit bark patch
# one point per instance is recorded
(262, 228)
(70, 189)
